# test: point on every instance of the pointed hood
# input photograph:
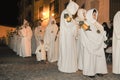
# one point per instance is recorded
(72, 7)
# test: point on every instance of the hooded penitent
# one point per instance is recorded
(72, 7)
(116, 43)
(67, 43)
(93, 43)
(81, 14)
(49, 38)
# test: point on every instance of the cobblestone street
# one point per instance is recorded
(13, 67)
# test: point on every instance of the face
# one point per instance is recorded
(94, 15)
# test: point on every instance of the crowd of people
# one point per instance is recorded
(77, 44)
(39, 41)
(20, 40)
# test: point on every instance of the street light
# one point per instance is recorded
(45, 15)
(53, 14)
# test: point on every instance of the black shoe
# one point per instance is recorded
(43, 62)
(91, 76)
(100, 75)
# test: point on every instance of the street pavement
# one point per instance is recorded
(14, 67)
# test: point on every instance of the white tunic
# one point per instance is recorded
(25, 34)
(94, 57)
(29, 38)
(116, 43)
(67, 61)
(81, 17)
(19, 46)
(22, 46)
(39, 34)
(50, 43)
(40, 53)
(15, 42)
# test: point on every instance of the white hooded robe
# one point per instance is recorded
(67, 61)
(29, 38)
(93, 54)
(23, 46)
(39, 34)
(116, 43)
(50, 34)
(81, 17)
(40, 52)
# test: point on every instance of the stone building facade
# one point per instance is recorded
(42, 9)
(25, 10)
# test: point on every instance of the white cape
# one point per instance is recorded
(116, 43)
(50, 43)
(94, 56)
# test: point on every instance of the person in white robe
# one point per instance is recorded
(23, 46)
(11, 40)
(67, 61)
(40, 52)
(29, 38)
(94, 62)
(116, 44)
(81, 17)
(39, 33)
(15, 41)
(26, 34)
(19, 40)
(57, 44)
(50, 38)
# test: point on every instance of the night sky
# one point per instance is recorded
(8, 12)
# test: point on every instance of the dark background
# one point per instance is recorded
(9, 12)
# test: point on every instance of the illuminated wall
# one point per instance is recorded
(4, 29)
(102, 6)
(3, 32)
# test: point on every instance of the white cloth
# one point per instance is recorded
(11, 41)
(116, 43)
(72, 7)
(94, 57)
(81, 14)
(50, 34)
(57, 47)
(15, 42)
(26, 34)
(29, 38)
(67, 61)
(22, 33)
(40, 52)
(39, 34)
(81, 17)
(109, 50)
(19, 46)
